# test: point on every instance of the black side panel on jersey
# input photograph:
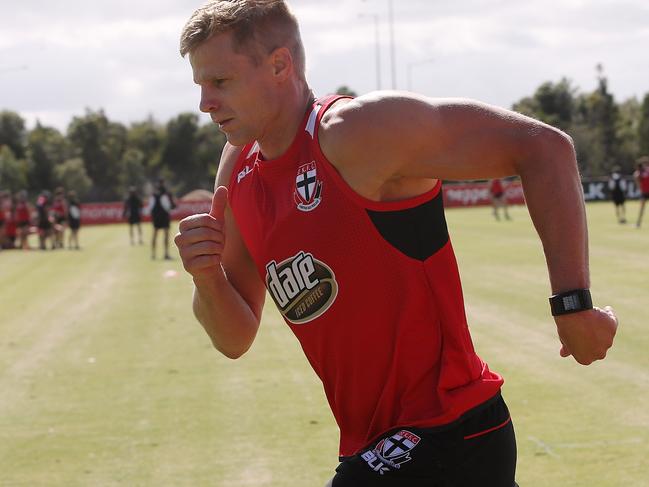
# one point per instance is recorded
(418, 232)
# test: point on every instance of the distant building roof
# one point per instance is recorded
(198, 195)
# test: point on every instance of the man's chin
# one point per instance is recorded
(237, 140)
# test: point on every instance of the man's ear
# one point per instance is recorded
(282, 63)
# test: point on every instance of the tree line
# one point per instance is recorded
(100, 158)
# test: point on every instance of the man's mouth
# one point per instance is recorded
(223, 123)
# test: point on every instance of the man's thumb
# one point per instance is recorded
(219, 200)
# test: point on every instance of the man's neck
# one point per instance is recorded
(281, 134)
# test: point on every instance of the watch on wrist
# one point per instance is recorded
(571, 302)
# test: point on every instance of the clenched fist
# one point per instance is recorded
(201, 238)
(587, 335)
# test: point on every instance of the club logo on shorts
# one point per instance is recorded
(308, 190)
(391, 452)
(302, 287)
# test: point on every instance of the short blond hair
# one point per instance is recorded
(257, 26)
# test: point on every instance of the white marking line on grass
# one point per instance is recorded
(600, 443)
(549, 450)
(543, 446)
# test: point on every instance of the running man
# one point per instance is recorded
(333, 204)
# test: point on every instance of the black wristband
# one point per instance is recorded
(571, 302)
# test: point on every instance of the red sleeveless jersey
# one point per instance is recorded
(643, 176)
(370, 289)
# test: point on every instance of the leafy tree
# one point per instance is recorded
(12, 132)
(72, 175)
(134, 169)
(210, 143)
(13, 171)
(46, 148)
(643, 127)
(148, 137)
(628, 123)
(552, 103)
(346, 90)
(599, 113)
(179, 152)
(101, 145)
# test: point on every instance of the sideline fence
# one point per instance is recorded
(455, 195)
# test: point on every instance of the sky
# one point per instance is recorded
(58, 59)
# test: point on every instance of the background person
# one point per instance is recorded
(617, 186)
(23, 217)
(5, 216)
(641, 176)
(133, 213)
(498, 198)
(74, 220)
(314, 203)
(45, 220)
(59, 215)
(160, 205)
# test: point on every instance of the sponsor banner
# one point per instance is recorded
(598, 190)
(477, 194)
(100, 213)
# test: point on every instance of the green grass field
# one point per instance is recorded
(106, 379)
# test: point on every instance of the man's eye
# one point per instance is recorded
(218, 82)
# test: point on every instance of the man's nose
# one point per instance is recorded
(209, 102)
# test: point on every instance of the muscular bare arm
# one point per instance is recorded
(406, 142)
(228, 294)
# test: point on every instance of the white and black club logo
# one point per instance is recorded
(308, 189)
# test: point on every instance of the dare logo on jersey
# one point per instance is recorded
(302, 287)
(308, 190)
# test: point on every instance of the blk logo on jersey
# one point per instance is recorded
(391, 452)
(308, 190)
(302, 287)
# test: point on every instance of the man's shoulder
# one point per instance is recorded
(229, 158)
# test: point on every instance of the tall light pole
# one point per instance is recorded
(392, 55)
(393, 68)
(412, 65)
(377, 44)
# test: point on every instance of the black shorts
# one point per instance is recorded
(161, 222)
(618, 198)
(479, 450)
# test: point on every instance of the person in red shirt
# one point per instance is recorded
(23, 217)
(5, 215)
(641, 176)
(344, 227)
(498, 198)
(59, 213)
